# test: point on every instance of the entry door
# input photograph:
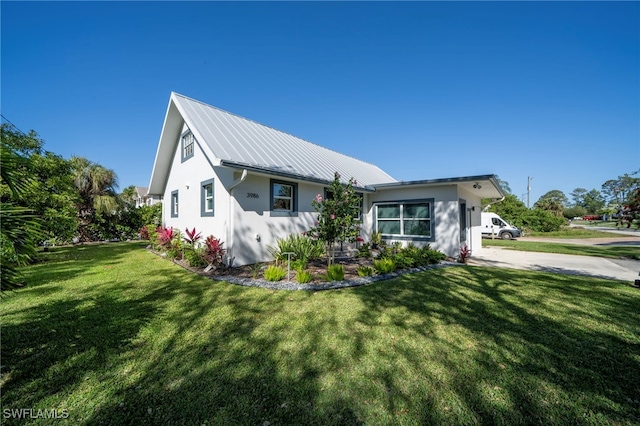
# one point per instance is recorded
(463, 220)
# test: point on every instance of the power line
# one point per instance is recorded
(13, 125)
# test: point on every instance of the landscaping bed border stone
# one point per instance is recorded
(333, 285)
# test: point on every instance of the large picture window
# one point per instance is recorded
(188, 143)
(284, 200)
(411, 219)
(206, 198)
(174, 204)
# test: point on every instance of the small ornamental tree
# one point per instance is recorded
(337, 215)
(630, 213)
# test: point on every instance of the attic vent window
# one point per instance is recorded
(187, 145)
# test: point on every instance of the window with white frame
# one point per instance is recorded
(188, 142)
(284, 200)
(410, 219)
(206, 198)
(174, 204)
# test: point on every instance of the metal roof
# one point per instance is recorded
(235, 141)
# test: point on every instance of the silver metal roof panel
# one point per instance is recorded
(234, 139)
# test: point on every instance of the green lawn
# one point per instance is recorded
(630, 252)
(117, 335)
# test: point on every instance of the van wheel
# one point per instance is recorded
(506, 236)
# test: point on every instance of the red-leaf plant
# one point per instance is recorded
(465, 252)
(192, 238)
(213, 250)
(164, 236)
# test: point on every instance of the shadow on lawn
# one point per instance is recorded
(228, 373)
(182, 349)
(538, 352)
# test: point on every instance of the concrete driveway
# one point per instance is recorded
(614, 269)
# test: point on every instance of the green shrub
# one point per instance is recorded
(365, 271)
(304, 276)
(304, 247)
(274, 273)
(364, 251)
(299, 264)
(542, 221)
(430, 256)
(376, 239)
(403, 261)
(255, 269)
(384, 266)
(335, 272)
(195, 258)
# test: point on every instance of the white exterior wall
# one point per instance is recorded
(252, 217)
(186, 177)
(244, 222)
(445, 218)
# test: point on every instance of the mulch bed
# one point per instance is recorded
(316, 268)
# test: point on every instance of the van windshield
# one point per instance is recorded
(497, 222)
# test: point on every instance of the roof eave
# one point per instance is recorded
(445, 181)
(284, 174)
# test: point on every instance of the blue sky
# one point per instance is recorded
(424, 90)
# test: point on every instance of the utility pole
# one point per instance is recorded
(528, 191)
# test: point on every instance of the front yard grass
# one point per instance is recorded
(117, 335)
(615, 252)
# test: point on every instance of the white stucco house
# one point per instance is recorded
(144, 199)
(249, 184)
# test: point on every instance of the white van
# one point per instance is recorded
(495, 226)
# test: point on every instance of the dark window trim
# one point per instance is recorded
(182, 156)
(399, 237)
(203, 199)
(281, 213)
(174, 212)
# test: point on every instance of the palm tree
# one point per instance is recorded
(20, 229)
(97, 190)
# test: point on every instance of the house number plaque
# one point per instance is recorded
(252, 195)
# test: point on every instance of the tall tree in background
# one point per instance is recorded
(20, 229)
(96, 187)
(504, 185)
(577, 197)
(553, 201)
(593, 201)
(630, 213)
(619, 191)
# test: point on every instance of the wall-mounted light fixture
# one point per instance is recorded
(477, 185)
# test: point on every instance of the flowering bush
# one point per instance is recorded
(337, 214)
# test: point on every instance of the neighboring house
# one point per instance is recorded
(144, 199)
(249, 184)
